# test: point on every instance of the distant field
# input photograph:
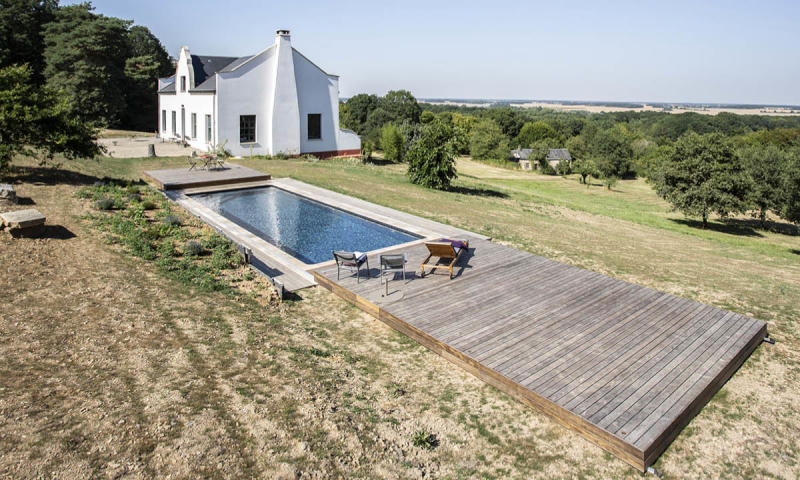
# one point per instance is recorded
(107, 360)
(596, 108)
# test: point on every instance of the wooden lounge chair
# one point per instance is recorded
(444, 249)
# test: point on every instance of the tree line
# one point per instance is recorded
(721, 164)
(66, 71)
(106, 66)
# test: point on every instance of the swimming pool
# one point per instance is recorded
(301, 227)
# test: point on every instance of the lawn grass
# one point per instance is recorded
(316, 386)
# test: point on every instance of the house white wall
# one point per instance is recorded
(285, 110)
(246, 91)
(279, 86)
(317, 92)
(184, 104)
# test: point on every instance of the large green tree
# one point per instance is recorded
(36, 121)
(509, 120)
(85, 57)
(147, 61)
(533, 132)
(700, 175)
(487, 141)
(431, 156)
(766, 167)
(612, 152)
(142, 43)
(401, 106)
(21, 39)
(790, 205)
(356, 111)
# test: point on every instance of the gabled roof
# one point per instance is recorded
(521, 153)
(559, 154)
(169, 85)
(206, 66)
(236, 63)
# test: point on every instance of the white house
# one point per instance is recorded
(276, 101)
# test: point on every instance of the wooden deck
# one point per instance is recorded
(183, 178)
(624, 365)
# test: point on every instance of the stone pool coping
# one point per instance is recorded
(292, 273)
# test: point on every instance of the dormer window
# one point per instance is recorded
(183, 83)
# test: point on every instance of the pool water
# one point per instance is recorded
(299, 226)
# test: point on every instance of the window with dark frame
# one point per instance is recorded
(208, 128)
(163, 121)
(314, 126)
(174, 122)
(194, 125)
(183, 83)
(247, 128)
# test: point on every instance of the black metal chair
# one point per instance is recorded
(351, 261)
(392, 263)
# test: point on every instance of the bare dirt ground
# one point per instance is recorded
(108, 369)
(136, 146)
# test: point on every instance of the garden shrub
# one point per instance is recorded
(172, 221)
(193, 248)
(104, 204)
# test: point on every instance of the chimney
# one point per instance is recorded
(282, 35)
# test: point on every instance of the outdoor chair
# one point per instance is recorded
(192, 163)
(445, 249)
(392, 263)
(351, 261)
(209, 161)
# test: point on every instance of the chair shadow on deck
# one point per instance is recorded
(412, 270)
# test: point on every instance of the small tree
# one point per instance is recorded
(765, 166)
(487, 141)
(564, 167)
(700, 175)
(392, 143)
(612, 152)
(790, 204)
(431, 156)
(38, 121)
(585, 168)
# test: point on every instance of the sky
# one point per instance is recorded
(659, 51)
